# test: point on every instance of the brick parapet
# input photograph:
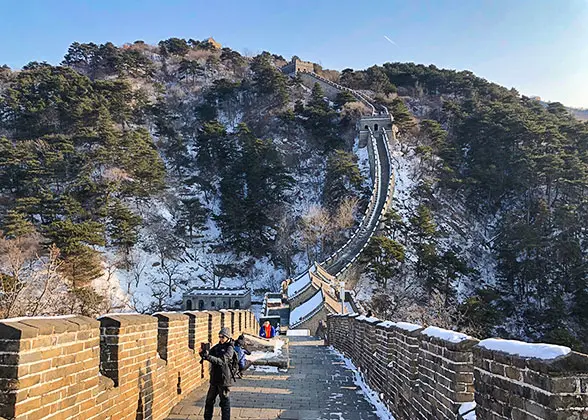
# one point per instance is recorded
(426, 377)
(123, 366)
(509, 386)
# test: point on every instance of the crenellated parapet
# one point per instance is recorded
(432, 373)
(121, 366)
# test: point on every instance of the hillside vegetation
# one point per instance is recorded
(495, 217)
(130, 174)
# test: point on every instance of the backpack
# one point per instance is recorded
(234, 366)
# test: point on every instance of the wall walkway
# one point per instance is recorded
(317, 386)
(383, 184)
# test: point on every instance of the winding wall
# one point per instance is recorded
(383, 183)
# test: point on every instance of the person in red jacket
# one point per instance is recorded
(266, 330)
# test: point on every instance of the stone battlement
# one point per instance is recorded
(438, 374)
(121, 366)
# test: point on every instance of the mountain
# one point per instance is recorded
(130, 174)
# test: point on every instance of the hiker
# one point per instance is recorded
(220, 358)
(267, 330)
(321, 331)
(369, 314)
(284, 286)
(242, 351)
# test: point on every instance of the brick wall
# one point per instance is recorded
(424, 375)
(509, 386)
(122, 366)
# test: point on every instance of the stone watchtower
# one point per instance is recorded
(375, 123)
(296, 66)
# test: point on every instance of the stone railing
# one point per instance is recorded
(121, 366)
(438, 374)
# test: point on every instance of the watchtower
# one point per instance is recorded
(374, 123)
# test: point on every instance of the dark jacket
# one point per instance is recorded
(220, 358)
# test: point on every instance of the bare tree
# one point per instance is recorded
(31, 284)
(169, 250)
(316, 228)
(344, 218)
(217, 267)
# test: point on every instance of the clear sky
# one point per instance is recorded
(540, 47)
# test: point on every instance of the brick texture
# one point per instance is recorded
(423, 378)
(121, 366)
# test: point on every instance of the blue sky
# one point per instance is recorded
(540, 47)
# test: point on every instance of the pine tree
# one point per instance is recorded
(16, 225)
(343, 178)
(383, 257)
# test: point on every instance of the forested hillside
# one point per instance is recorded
(130, 174)
(489, 229)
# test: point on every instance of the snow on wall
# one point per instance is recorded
(298, 285)
(522, 349)
(447, 335)
(406, 326)
(301, 312)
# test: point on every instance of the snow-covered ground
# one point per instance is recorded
(373, 397)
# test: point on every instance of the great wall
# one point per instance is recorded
(430, 373)
(121, 366)
(317, 292)
(141, 367)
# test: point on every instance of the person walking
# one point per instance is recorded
(267, 330)
(220, 358)
(242, 352)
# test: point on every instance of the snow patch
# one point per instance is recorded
(447, 335)
(266, 369)
(297, 333)
(372, 319)
(29, 318)
(381, 410)
(298, 285)
(407, 326)
(301, 312)
(522, 349)
(468, 411)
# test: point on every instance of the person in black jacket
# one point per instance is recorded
(220, 358)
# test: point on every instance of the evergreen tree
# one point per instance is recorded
(343, 178)
(123, 227)
(383, 257)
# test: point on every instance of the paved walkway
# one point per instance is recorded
(317, 386)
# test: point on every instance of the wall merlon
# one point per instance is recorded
(88, 369)
(426, 377)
